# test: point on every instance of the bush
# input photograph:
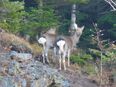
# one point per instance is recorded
(89, 69)
(80, 59)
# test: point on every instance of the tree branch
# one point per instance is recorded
(112, 4)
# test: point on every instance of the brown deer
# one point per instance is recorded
(62, 45)
(47, 40)
(65, 44)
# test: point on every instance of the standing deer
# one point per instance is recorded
(63, 45)
(47, 40)
(66, 44)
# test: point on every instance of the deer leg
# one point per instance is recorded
(46, 55)
(60, 63)
(64, 63)
(68, 57)
(43, 54)
(43, 57)
(54, 54)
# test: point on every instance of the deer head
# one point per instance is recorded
(77, 31)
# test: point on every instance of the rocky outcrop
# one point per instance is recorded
(28, 74)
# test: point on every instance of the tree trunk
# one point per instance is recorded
(73, 14)
(41, 3)
(101, 69)
(73, 25)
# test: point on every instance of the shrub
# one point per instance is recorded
(80, 59)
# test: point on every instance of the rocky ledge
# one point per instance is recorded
(28, 73)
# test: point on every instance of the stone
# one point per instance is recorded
(29, 74)
(13, 68)
(21, 56)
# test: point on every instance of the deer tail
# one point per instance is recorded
(42, 40)
(61, 44)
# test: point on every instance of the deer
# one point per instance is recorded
(61, 45)
(65, 45)
(47, 40)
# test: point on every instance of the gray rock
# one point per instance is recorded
(22, 56)
(13, 68)
(7, 82)
(12, 81)
(44, 75)
(39, 75)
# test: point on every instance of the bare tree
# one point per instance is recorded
(73, 25)
(112, 3)
(102, 48)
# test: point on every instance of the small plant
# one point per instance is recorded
(89, 69)
(80, 59)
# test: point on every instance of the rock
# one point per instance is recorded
(23, 83)
(34, 83)
(36, 74)
(13, 68)
(7, 82)
(43, 75)
(21, 56)
(29, 74)
(4, 56)
(10, 81)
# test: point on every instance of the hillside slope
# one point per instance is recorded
(32, 73)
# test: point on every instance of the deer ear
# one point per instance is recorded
(82, 27)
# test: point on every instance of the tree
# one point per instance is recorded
(104, 46)
(19, 20)
(13, 15)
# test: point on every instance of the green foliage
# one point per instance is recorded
(81, 16)
(89, 69)
(13, 17)
(106, 57)
(13, 6)
(64, 26)
(108, 21)
(38, 19)
(18, 20)
(94, 51)
(80, 59)
(108, 18)
(77, 59)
